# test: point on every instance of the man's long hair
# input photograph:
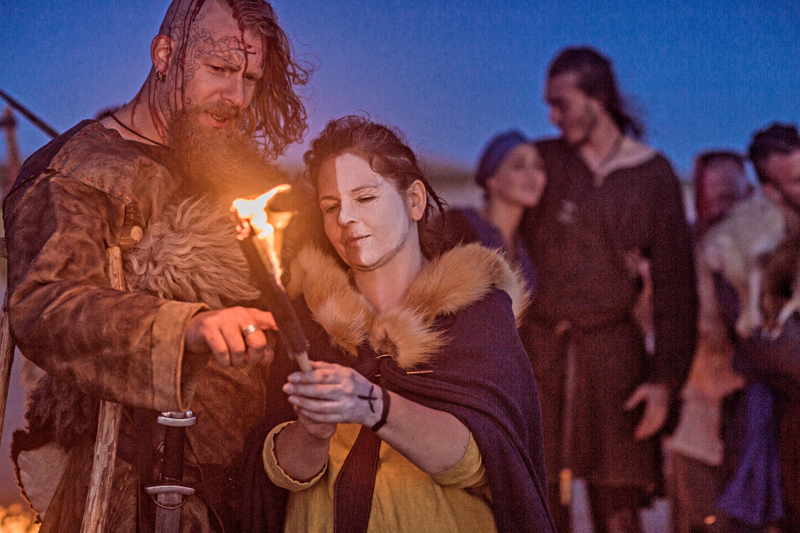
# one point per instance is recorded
(277, 116)
(596, 79)
(778, 138)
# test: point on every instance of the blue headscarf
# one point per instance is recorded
(495, 152)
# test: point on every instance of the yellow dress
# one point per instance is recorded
(405, 498)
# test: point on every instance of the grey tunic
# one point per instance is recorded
(585, 240)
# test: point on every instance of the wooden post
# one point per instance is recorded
(105, 447)
(13, 160)
(6, 360)
(6, 350)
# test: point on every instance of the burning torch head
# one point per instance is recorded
(255, 218)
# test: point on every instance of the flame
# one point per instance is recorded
(14, 519)
(266, 224)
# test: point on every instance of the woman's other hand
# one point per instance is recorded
(331, 394)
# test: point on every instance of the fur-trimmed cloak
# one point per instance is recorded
(454, 348)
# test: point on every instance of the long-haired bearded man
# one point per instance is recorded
(154, 178)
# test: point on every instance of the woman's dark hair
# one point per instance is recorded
(596, 79)
(384, 149)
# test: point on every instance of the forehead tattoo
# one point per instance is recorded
(198, 44)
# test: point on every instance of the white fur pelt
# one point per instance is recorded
(189, 253)
(738, 246)
(447, 284)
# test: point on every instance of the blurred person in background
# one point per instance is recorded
(610, 201)
(511, 174)
(695, 473)
(765, 491)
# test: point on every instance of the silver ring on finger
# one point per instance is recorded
(252, 328)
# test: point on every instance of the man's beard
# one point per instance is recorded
(221, 163)
(589, 122)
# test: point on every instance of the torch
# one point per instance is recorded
(259, 230)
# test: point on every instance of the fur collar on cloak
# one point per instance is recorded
(446, 285)
(458, 324)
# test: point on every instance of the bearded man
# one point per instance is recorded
(154, 178)
(610, 202)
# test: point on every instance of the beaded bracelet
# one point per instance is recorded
(385, 412)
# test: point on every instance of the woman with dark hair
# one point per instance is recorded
(421, 411)
(511, 174)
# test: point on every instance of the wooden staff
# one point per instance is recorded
(6, 350)
(105, 447)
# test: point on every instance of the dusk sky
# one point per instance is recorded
(448, 73)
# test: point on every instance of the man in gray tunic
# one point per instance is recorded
(611, 203)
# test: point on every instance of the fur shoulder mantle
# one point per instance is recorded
(447, 284)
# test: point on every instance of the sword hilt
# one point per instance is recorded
(170, 494)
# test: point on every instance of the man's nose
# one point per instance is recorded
(554, 116)
(234, 93)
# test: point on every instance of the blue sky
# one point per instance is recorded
(448, 73)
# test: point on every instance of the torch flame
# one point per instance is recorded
(266, 224)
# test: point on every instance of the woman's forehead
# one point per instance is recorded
(347, 174)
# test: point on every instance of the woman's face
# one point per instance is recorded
(366, 219)
(520, 178)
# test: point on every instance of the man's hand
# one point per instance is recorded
(656, 408)
(224, 332)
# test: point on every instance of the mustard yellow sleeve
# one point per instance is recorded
(468, 472)
(276, 473)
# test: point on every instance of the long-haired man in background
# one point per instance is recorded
(610, 202)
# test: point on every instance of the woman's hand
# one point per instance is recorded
(331, 394)
(322, 398)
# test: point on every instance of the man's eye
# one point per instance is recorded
(330, 208)
(365, 199)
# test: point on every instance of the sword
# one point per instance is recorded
(170, 493)
(564, 329)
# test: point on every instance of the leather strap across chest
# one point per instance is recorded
(355, 485)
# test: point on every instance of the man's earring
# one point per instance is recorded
(160, 75)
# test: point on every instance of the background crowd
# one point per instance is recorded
(729, 462)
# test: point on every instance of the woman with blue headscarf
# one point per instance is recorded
(511, 174)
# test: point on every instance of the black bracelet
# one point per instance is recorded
(385, 412)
